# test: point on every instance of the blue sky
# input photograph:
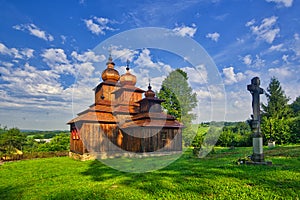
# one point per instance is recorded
(48, 68)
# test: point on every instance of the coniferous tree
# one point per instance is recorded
(179, 100)
(295, 106)
(275, 124)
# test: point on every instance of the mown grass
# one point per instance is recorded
(213, 177)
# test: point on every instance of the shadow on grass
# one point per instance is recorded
(211, 176)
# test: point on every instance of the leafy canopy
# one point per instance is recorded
(179, 101)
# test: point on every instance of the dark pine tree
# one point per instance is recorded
(276, 113)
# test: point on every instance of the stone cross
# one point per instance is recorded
(255, 90)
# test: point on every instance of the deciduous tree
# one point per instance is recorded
(179, 100)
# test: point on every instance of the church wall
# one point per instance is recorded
(98, 137)
(151, 139)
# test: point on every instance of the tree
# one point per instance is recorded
(295, 121)
(277, 103)
(295, 106)
(59, 142)
(179, 101)
(11, 139)
(275, 114)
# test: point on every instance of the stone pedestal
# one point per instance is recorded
(258, 155)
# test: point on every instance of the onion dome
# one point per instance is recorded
(128, 78)
(149, 92)
(110, 74)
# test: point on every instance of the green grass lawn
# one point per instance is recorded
(213, 177)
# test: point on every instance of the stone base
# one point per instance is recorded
(259, 163)
(82, 157)
(107, 155)
(258, 157)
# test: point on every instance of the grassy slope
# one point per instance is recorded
(188, 178)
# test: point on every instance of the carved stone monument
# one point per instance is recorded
(255, 90)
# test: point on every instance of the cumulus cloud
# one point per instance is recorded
(232, 77)
(213, 36)
(16, 53)
(123, 54)
(285, 3)
(31, 81)
(186, 30)
(266, 31)
(98, 25)
(35, 31)
(144, 60)
(54, 55)
(196, 75)
(88, 56)
(57, 60)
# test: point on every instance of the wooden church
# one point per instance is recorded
(121, 121)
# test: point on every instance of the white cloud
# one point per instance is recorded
(211, 92)
(98, 25)
(296, 36)
(85, 69)
(28, 53)
(4, 49)
(247, 60)
(32, 82)
(54, 56)
(185, 30)
(278, 47)
(88, 56)
(7, 64)
(63, 39)
(15, 53)
(196, 75)
(231, 77)
(258, 62)
(144, 60)
(123, 54)
(213, 36)
(57, 60)
(266, 31)
(285, 58)
(286, 3)
(281, 73)
(35, 31)
(250, 23)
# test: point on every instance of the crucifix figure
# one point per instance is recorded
(255, 90)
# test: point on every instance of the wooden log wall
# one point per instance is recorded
(109, 138)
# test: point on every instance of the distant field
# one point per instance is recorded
(214, 177)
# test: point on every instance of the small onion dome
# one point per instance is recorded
(110, 74)
(149, 92)
(128, 78)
